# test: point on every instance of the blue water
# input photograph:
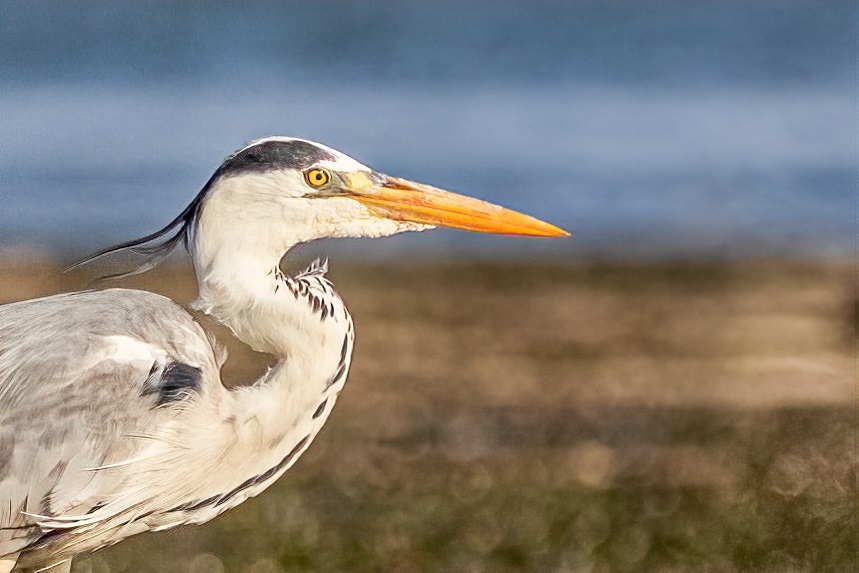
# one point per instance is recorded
(647, 129)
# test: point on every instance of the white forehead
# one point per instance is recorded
(341, 162)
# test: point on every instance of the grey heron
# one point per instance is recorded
(113, 416)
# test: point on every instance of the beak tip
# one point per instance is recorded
(550, 230)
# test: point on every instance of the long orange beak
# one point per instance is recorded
(403, 200)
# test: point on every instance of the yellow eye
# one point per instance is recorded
(317, 177)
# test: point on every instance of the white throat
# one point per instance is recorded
(246, 225)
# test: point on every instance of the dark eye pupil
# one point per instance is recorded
(317, 177)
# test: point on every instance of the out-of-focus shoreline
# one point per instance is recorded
(789, 315)
(531, 416)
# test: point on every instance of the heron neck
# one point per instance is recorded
(300, 318)
(241, 295)
(301, 321)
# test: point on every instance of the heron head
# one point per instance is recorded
(312, 191)
(277, 192)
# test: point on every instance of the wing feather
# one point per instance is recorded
(74, 371)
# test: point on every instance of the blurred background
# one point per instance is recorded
(671, 389)
(647, 129)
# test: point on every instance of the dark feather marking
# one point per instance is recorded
(266, 475)
(18, 527)
(320, 409)
(341, 368)
(55, 474)
(309, 285)
(344, 349)
(192, 506)
(44, 539)
(177, 381)
(337, 375)
(271, 155)
(45, 504)
(217, 500)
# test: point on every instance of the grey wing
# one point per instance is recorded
(83, 378)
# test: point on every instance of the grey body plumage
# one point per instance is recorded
(90, 414)
(66, 398)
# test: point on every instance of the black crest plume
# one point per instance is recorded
(152, 248)
(257, 157)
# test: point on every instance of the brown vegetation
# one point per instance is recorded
(590, 417)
